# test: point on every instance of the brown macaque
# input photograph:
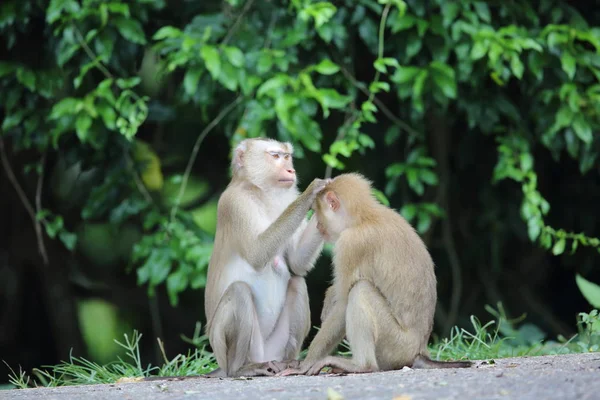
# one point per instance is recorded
(383, 294)
(256, 300)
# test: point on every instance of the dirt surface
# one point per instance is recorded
(546, 377)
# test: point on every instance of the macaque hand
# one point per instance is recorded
(316, 186)
(305, 368)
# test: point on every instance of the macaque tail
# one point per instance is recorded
(424, 362)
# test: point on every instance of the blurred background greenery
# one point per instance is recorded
(478, 120)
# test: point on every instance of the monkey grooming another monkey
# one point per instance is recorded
(256, 300)
(383, 295)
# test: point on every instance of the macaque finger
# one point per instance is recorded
(289, 372)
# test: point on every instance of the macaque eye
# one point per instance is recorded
(286, 157)
(275, 156)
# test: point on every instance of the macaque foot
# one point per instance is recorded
(269, 368)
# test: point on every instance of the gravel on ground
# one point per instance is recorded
(575, 376)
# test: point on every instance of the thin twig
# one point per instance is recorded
(26, 203)
(237, 22)
(90, 53)
(379, 104)
(270, 29)
(201, 137)
(138, 182)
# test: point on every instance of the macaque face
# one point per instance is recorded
(331, 220)
(279, 161)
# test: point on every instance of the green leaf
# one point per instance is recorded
(265, 63)
(108, 114)
(272, 84)
(403, 22)
(118, 8)
(82, 126)
(429, 177)
(450, 11)
(413, 46)
(405, 74)
(211, 57)
(130, 29)
(408, 211)
(420, 83)
(479, 50)
(26, 77)
(445, 82)
(424, 223)
(582, 129)
(6, 68)
(69, 239)
(12, 120)
(333, 99)
(526, 162)
(564, 117)
(235, 56)
(568, 63)
(190, 80)
(414, 182)
(327, 67)
(378, 194)
(482, 11)
(589, 290)
(516, 65)
(56, 7)
(379, 65)
(129, 82)
(533, 229)
(376, 87)
(176, 283)
(229, 77)
(167, 32)
(559, 247)
(391, 135)
(159, 265)
(66, 106)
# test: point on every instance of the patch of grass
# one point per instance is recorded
(498, 338)
(80, 371)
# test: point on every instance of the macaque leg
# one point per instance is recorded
(376, 338)
(235, 336)
(293, 324)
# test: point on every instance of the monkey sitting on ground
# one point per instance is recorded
(383, 295)
(256, 300)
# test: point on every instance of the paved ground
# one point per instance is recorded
(548, 377)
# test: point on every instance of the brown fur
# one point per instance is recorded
(384, 292)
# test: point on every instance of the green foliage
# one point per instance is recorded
(501, 338)
(80, 371)
(498, 338)
(590, 290)
(516, 162)
(344, 80)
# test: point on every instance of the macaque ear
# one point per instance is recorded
(332, 200)
(239, 158)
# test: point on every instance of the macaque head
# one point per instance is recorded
(343, 203)
(266, 163)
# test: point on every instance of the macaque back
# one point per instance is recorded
(384, 292)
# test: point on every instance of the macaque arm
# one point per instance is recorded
(306, 248)
(255, 244)
(331, 333)
(328, 303)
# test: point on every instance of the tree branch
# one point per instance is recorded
(26, 203)
(237, 22)
(199, 141)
